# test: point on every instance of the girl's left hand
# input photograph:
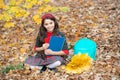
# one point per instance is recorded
(48, 51)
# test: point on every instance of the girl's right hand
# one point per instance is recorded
(45, 46)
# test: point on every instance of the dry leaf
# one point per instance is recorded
(22, 50)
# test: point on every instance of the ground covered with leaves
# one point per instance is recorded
(98, 20)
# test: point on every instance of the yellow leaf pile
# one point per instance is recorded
(79, 63)
(21, 9)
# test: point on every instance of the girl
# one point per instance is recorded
(48, 28)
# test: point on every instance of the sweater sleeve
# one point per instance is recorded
(38, 43)
(66, 52)
(65, 46)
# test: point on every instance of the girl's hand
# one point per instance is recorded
(49, 52)
(45, 46)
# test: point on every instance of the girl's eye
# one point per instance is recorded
(50, 22)
(46, 24)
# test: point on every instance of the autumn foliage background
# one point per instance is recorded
(98, 20)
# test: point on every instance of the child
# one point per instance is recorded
(49, 27)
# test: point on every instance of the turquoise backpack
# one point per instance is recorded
(85, 45)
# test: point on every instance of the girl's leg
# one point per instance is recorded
(33, 67)
(54, 65)
(51, 66)
(43, 68)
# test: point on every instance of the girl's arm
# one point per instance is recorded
(37, 49)
(60, 52)
(50, 52)
(40, 46)
(64, 51)
(43, 47)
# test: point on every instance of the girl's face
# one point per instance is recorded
(49, 25)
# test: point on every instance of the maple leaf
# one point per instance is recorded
(64, 9)
(6, 7)
(27, 0)
(54, 9)
(46, 1)
(79, 63)
(39, 2)
(37, 19)
(2, 4)
(22, 50)
(33, 2)
(1, 16)
(20, 13)
(9, 24)
(28, 5)
(47, 8)
(13, 9)
(12, 2)
(6, 16)
(26, 14)
(19, 2)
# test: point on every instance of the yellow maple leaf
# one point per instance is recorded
(27, 0)
(15, 9)
(20, 13)
(33, 2)
(13, 44)
(37, 19)
(2, 4)
(47, 8)
(26, 14)
(54, 9)
(46, 1)
(19, 2)
(40, 10)
(1, 16)
(79, 63)
(22, 50)
(2, 41)
(44, 8)
(6, 16)
(105, 16)
(6, 7)
(9, 24)
(64, 9)
(12, 2)
(28, 5)
(39, 2)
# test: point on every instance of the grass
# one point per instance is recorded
(11, 67)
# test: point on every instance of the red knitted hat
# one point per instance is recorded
(47, 16)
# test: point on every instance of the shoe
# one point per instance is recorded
(54, 69)
(43, 69)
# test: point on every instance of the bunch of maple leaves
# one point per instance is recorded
(94, 19)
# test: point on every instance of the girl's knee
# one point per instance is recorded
(58, 62)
